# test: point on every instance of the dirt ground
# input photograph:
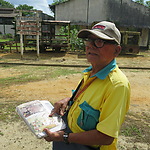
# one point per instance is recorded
(16, 135)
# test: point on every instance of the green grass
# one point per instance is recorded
(19, 79)
(5, 40)
(32, 73)
(1, 133)
(63, 72)
(137, 127)
(132, 130)
(7, 111)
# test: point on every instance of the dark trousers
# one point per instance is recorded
(71, 146)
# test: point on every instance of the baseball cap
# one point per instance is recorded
(104, 30)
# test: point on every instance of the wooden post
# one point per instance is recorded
(37, 36)
(10, 47)
(21, 45)
(16, 46)
(69, 40)
(21, 36)
(37, 43)
(4, 29)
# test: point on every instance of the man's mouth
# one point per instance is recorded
(92, 53)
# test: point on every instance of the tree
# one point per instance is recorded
(58, 1)
(140, 1)
(146, 3)
(4, 4)
(25, 7)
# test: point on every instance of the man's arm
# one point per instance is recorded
(92, 137)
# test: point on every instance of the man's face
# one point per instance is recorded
(99, 51)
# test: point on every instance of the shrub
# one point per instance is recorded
(76, 43)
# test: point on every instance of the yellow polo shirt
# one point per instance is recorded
(102, 105)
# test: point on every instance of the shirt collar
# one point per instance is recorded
(102, 74)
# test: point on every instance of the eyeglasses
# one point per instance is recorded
(98, 43)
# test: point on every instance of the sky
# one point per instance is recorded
(37, 4)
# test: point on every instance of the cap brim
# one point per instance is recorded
(85, 32)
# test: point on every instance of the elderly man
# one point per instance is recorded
(100, 102)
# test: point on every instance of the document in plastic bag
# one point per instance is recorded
(36, 115)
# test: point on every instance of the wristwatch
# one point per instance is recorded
(65, 137)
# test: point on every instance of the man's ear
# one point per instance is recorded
(117, 50)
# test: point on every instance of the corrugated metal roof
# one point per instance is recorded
(56, 21)
(8, 15)
(6, 9)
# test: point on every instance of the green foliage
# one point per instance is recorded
(75, 42)
(26, 7)
(146, 3)
(140, 1)
(4, 4)
(58, 1)
(8, 36)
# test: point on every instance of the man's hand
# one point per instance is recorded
(60, 107)
(53, 136)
